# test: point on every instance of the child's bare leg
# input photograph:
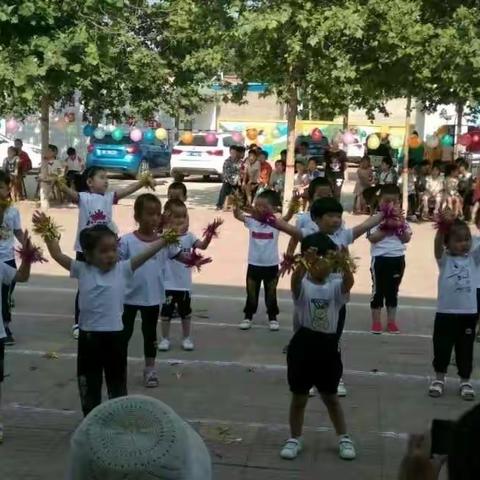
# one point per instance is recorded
(438, 203)
(376, 315)
(165, 328)
(297, 414)
(391, 314)
(186, 327)
(335, 412)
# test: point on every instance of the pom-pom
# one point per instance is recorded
(212, 229)
(443, 224)
(31, 254)
(393, 223)
(288, 264)
(170, 237)
(59, 180)
(265, 218)
(196, 260)
(341, 261)
(4, 204)
(146, 180)
(45, 227)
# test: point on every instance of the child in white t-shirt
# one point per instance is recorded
(9, 275)
(388, 265)
(178, 277)
(10, 229)
(457, 315)
(313, 357)
(95, 207)
(146, 291)
(103, 283)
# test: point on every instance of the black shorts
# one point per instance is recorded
(313, 360)
(2, 359)
(177, 298)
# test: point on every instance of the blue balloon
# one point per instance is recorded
(149, 136)
(88, 130)
(282, 129)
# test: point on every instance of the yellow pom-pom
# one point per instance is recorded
(147, 181)
(59, 180)
(45, 227)
(341, 261)
(170, 237)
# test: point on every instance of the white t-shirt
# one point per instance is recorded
(74, 164)
(94, 209)
(101, 295)
(457, 287)
(343, 237)
(11, 222)
(263, 244)
(390, 246)
(147, 287)
(177, 275)
(318, 305)
(7, 275)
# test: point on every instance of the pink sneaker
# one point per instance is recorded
(376, 328)
(392, 328)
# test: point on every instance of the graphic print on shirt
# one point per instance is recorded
(319, 309)
(96, 218)
(262, 235)
(461, 277)
(5, 233)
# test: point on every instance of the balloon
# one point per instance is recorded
(99, 133)
(117, 134)
(465, 139)
(252, 133)
(149, 135)
(136, 135)
(363, 134)
(237, 137)
(187, 138)
(316, 134)
(447, 140)
(211, 138)
(348, 138)
(12, 125)
(475, 138)
(88, 130)
(396, 142)
(110, 128)
(414, 142)
(373, 142)
(161, 134)
(432, 141)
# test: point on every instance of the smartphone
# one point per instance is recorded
(441, 432)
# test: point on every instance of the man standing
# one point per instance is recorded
(24, 166)
(231, 175)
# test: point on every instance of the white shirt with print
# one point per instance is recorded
(390, 246)
(7, 275)
(94, 209)
(101, 295)
(177, 275)
(147, 287)
(263, 244)
(11, 222)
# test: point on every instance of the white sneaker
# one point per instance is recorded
(292, 448)
(341, 389)
(346, 448)
(187, 344)
(274, 326)
(312, 392)
(245, 324)
(164, 345)
(75, 332)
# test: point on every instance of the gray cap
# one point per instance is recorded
(137, 438)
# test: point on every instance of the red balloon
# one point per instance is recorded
(475, 138)
(317, 134)
(465, 139)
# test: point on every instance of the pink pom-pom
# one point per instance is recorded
(196, 260)
(392, 223)
(212, 229)
(31, 254)
(389, 211)
(266, 219)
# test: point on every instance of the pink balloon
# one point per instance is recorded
(136, 135)
(348, 138)
(237, 137)
(475, 138)
(465, 139)
(211, 138)
(12, 125)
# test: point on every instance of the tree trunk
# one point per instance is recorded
(345, 120)
(45, 140)
(458, 128)
(405, 156)
(292, 108)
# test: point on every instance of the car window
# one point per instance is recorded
(199, 141)
(108, 140)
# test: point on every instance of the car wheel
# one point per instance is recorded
(143, 167)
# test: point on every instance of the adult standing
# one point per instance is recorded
(231, 175)
(24, 166)
(335, 166)
(74, 166)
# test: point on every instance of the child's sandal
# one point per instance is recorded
(436, 388)
(467, 392)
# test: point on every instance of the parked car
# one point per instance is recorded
(127, 157)
(200, 157)
(34, 151)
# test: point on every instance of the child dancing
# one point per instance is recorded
(102, 284)
(95, 207)
(146, 292)
(313, 357)
(456, 317)
(388, 261)
(9, 275)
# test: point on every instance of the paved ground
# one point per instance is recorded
(233, 387)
